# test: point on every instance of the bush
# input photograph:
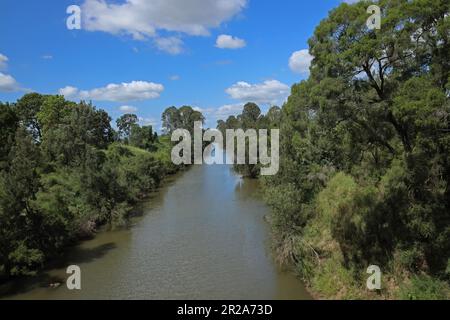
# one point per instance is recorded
(424, 287)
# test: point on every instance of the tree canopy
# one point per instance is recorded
(64, 171)
(365, 142)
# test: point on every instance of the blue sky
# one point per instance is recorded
(146, 55)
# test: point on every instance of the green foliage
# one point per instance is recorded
(8, 126)
(143, 137)
(251, 118)
(423, 287)
(24, 260)
(331, 279)
(364, 149)
(27, 109)
(62, 175)
(163, 154)
(125, 124)
(288, 212)
(182, 118)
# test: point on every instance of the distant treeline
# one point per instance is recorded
(64, 171)
(365, 155)
(251, 118)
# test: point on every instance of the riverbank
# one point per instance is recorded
(53, 274)
(319, 260)
(132, 174)
(202, 235)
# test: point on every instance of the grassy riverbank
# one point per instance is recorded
(64, 171)
(320, 261)
(364, 173)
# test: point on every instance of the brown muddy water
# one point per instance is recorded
(202, 236)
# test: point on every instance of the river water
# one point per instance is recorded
(202, 236)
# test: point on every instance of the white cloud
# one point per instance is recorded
(128, 109)
(212, 115)
(143, 18)
(225, 41)
(8, 83)
(300, 61)
(135, 90)
(175, 77)
(148, 122)
(3, 62)
(204, 111)
(268, 92)
(68, 91)
(47, 57)
(228, 110)
(172, 45)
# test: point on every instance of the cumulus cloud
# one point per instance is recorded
(3, 61)
(171, 45)
(227, 110)
(268, 92)
(135, 90)
(143, 18)
(128, 109)
(212, 115)
(200, 109)
(68, 92)
(300, 61)
(175, 77)
(148, 122)
(8, 83)
(47, 57)
(225, 41)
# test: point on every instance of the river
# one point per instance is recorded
(202, 236)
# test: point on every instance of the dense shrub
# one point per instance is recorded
(62, 175)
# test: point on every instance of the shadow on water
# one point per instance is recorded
(155, 198)
(80, 254)
(44, 279)
(201, 236)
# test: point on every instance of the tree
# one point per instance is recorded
(182, 118)
(68, 133)
(274, 116)
(143, 137)
(62, 175)
(27, 108)
(171, 120)
(232, 123)
(250, 115)
(125, 123)
(188, 117)
(8, 126)
(102, 132)
(52, 112)
(364, 146)
(250, 118)
(20, 223)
